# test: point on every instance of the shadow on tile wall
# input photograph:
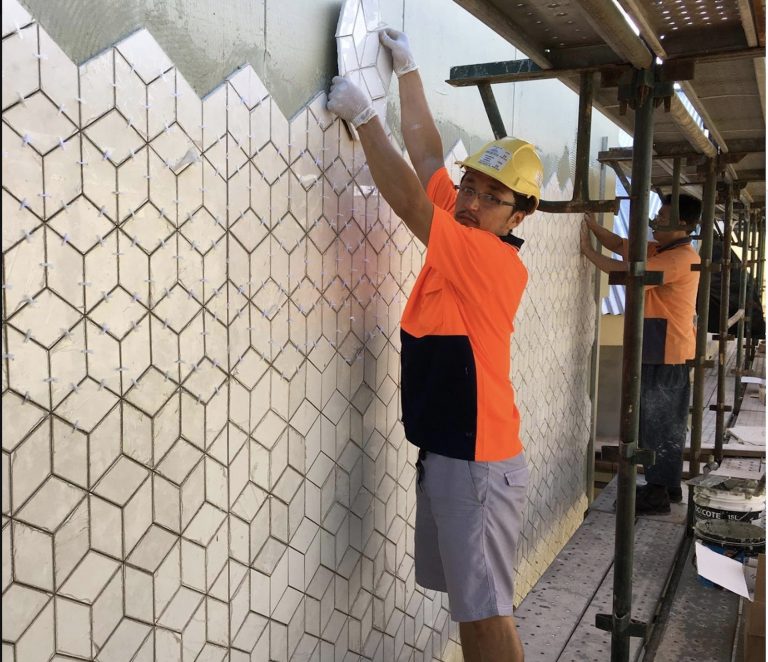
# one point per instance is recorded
(202, 457)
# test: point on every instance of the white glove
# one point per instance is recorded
(397, 43)
(349, 102)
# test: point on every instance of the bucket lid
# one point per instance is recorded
(730, 532)
(721, 485)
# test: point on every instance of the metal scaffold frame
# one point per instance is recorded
(643, 84)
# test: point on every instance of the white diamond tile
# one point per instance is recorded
(33, 563)
(122, 480)
(21, 606)
(152, 549)
(180, 610)
(19, 419)
(73, 627)
(20, 65)
(97, 93)
(15, 17)
(99, 179)
(114, 137)
(40, 123)
(144, 55)
(86, 406)
(204, 525)
(161, 103)
(51, 504)
(22, 171)
(62, 182)
(89, 579)
(30, 465)
(125, 641)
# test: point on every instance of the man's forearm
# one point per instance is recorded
(603, 262)
(395, 179)
(422, 139)
(607, 238)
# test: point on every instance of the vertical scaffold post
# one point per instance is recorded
(631, 370)
(705, 252)
(492, 110)
(759, 272)
(584, 136)
(750, 308)
(744, 233)
(723, 335)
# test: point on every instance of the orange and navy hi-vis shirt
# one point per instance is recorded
(455, 331)
(669, 328)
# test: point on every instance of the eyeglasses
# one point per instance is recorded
(485, 199)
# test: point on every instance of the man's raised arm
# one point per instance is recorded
(394, 178)
(607, 238)
(422, 140)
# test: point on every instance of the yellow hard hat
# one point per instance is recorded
(512, 162)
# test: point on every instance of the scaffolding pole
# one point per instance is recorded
(700, 362)
(750, 309)
(759, 273)
(723, 336)
(623, 627)
(744, 230)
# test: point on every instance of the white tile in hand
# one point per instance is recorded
(361, 57)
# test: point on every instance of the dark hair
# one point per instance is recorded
(689, 208)
(524, 203)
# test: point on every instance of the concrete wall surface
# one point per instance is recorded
(201, 455)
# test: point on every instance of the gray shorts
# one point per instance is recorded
(468, 521)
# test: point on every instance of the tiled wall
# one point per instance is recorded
(202, 458)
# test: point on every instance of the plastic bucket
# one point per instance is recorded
(736, 540)
(710, 503)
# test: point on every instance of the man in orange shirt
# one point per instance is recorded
(669, 340)
(457, 401)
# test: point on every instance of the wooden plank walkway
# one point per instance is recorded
(556, 619)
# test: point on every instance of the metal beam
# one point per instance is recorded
(689, 128)
(607, 21)
(639, 14)
(748, 22)
(738, 147)
(513, 71)
(579, 206)
(744, 177)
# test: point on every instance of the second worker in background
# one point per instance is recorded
(669, 340)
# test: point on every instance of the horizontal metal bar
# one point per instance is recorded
(713, 268)
(513, 71)
(579, 206)
(738, 148)
(622, 277)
